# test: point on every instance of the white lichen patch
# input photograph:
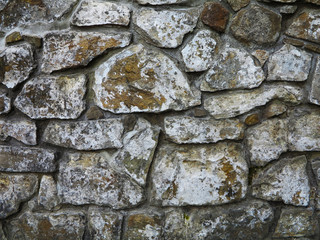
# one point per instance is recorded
(22, 130)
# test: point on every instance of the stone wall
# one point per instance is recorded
(159, 119)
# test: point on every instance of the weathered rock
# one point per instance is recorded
(232, 69)
(288, 9)
(182, 129)
(94, 113)
(96, 12)
(231, 104)
(312, 47)
(5, 103)
(2, 236)
(53, 97)
(13, 37)
(33, 39)
(87, 178)
(141, 226)
(296, 222)
(256, 24)
(161, 2)
(274, 109)
(198, 53)
(85, 135)
(261, 55)
(285, 180)
(18, 63)
(314, 94)
(141, 80)
(215, 16)
(23, 159)
(48, 194)
(15, 188)
(104, 225)
(23, 130)
(58, 225)
(289, 64)
(67, 49)
(199, 175)
(266, 141)
(199, 112)
(236, 5)
(252, 119)
(306, 26)
(317, 2)
(165, 28)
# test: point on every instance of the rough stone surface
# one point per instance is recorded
(85, 135)
(97, 12)
(165, 28)
(141, 80)
(14, 37)
(274, 109)
(22, 130)
(261, 55)
(53, 97)
(231, 104)
(161, 2)
(215, 16)
(23, 159)
(317, 2)
(5, 103)
(15, 188)
(256, 24)
(94, 113)
(232, 69)
(289, 64)
(266, 141)
(285, 180)
(314, 94)
(252, 119)
(182, 129)
(199, 175)
(18, 63)
(199, 52)
(48, 194)
(288, 9)
(67, 49)
(236, 5)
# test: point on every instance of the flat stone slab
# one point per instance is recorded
(23, 130)
(314, 94)
(142, 80)
(199, 175)
(5, 104)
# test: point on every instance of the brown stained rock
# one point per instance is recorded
(252, 119)
(199, 112)
(312, 47)
(94, 113)
(33, 40)
(215, 16)
(261, 55)
(14, 37)
(294, 42)
(238, 4)
(274, 109)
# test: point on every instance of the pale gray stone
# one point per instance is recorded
(285, 180)
(199, 175)
(24, 159)
(67, 49)
(5, 103)
(314, 94)
(53, 97)
(48, 193)
(182, 129)
(97, 12)
(234, 103)
(160, 2)
(289, 63)
(142, 80)
(85, 135)
(288, 9)
(165, 28)
(232, 68)
(22, 130)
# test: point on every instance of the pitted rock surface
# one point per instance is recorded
(48, 193)
(5, 103)
(23, 130)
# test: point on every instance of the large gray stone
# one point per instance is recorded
(314, 94)
(23, 130)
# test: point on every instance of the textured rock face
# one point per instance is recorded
(165, 28)
(238, 4)
(160, 2)
(183, 130)
(261, 55)
(256, 24)
(199, 175)
(232, 69)
(15, 188)
(141, 80)
(5, 103)
(274, 109)
(85, 135)
(215, 16)
(96, 12)
(64, 50)
(289, 64)
(314, 95)
(285, 180)
(48, 194)
(53, 97)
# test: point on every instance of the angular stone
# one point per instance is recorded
(314, 94)
(199, 112)
(161, 2)
(261, 55)
(288, 9)
(5, 103)
(215, 16)
(53, 97)
(68, 224)
(48, 193)
(69, 49)
(23, 130)
(296, 222)
(198, 54)
(96, 12)
(18, 63)
(252, 119)
(13, 37)
(94, 113)
(285, 180)
(165, 28)
(274, 109)
(266, 141)
(232, 69)
(234, 103)
(236, 5)
(199, 175)
(15, 188)
(142, 80)
(317, 2)
(182, 129)
(256, 24)
(87, 178)
(312, 47)
(306, 26)
(104, 225)
(85, 135)
(289, 64)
